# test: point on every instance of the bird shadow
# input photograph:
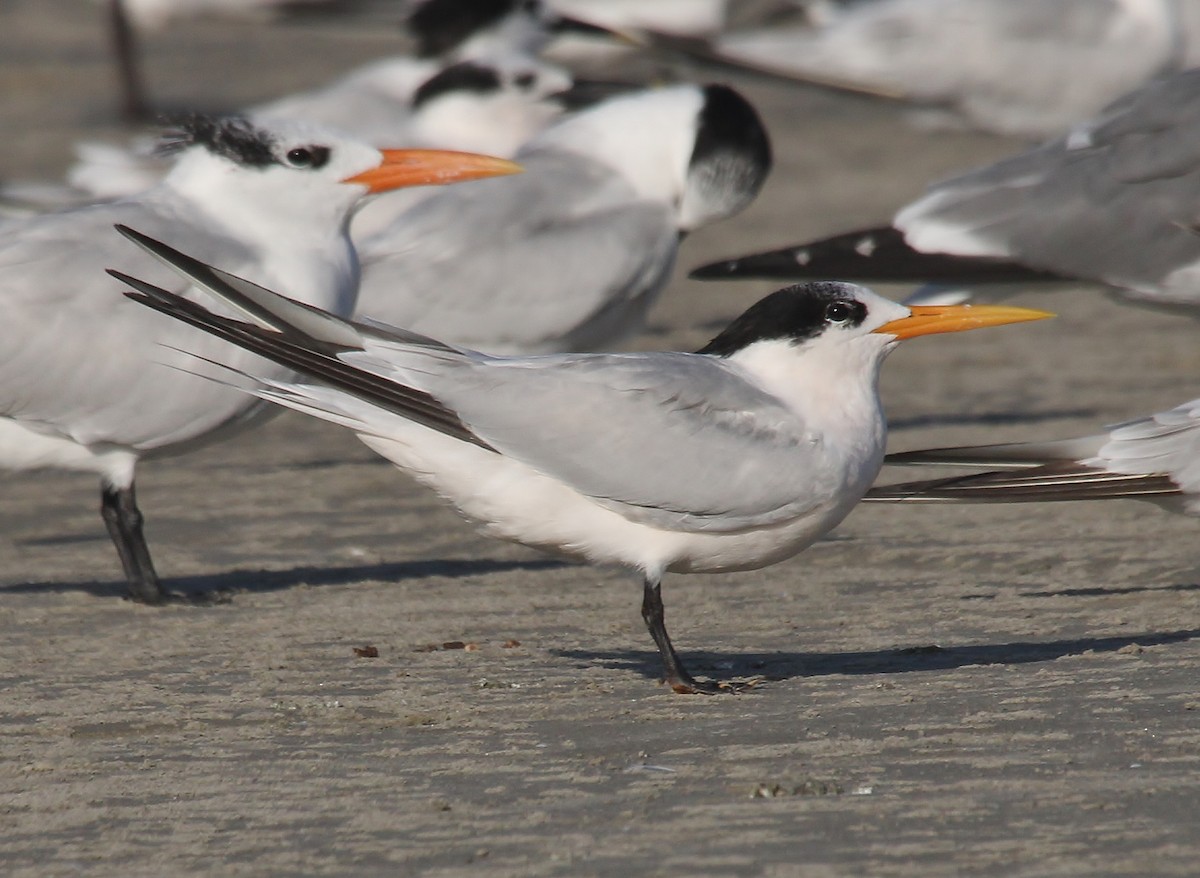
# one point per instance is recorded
(220, 587)
(789, 665)
(987, 419)
(1109, 590)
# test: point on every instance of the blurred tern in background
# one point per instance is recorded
(441, 31)
(1113, 202)
(79, 384)
(731, 458)
(488, 108)
(1025, 67)
(1156, 458)
(370, 100)
(574, 254)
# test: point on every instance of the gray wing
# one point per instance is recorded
(1114, 201)
(561, 257)
(76, 358)
(678, 440)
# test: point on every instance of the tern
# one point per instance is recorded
(1026, 67)
(731, 458)
(1154, 458)
(442, 31)
(1113, 202)
(491, 108)
(371, 99)
(78, 386)
(571, 254)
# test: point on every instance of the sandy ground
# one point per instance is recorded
(975, 691)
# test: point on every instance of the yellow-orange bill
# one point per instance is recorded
(930, 319)
(430, 167)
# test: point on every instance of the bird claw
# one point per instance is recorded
(691, 686)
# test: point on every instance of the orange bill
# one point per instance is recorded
(930, 319)
(430, 167)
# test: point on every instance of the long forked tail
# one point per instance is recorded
(299, 337)
(1065, 480)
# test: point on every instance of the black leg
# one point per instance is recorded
(124, 46)
(677, 676)
(124, 521)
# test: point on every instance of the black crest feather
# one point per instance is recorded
(233, 137)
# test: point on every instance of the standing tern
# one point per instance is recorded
(1155, 458)
(1025, 67)
(571, 254)
(731, 458)
(1112, 202)
(78, 385)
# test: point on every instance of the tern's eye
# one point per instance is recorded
(839, 312)
(308, 156)
(525, 81)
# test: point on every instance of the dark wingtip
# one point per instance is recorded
(151, 245)
(875, 254)
(147, 291)
(773, 264)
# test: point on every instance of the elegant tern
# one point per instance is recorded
(731, 458)
(79, 388)
(1113, 202)
(571, 254)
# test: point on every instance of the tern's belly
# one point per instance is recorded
(717, 553)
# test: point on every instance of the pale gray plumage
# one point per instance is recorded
(732, 458)
(571, 254)
(82, 385)
(1027, 67)
(1114, 201)
(565, 256)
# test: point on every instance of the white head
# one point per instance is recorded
(273, 177)
(701, 149)
(825, 339)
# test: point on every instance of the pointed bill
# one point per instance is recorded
(430, 167)
(930, 319)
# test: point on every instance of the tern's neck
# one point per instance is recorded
(833, 388)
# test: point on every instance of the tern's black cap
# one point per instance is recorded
(465, 76)
(795, 313)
